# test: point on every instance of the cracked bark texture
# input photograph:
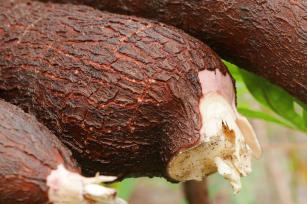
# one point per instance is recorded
(121, 92)
(29, 152)
(267, 37)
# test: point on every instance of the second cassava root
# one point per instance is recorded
(28, 153)
(128, 96)
(36, 168)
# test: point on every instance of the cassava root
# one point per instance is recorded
(267, 37)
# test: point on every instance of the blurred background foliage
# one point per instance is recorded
(280, 176)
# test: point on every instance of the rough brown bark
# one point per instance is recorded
(196, 192)
(267, 37)
(29, 152)
(121, 92)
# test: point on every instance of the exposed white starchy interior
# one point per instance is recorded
(249, 135)
(227, 139)
(66, 187)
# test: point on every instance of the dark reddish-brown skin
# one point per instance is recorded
(28, 153)
(267, 37)
(121, 92)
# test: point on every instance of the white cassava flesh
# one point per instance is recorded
(66, 187)
(227, 139)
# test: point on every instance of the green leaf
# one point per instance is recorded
(272, 97)
(305, 116)
(234, 71)
(257, 87)
(263, 116)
